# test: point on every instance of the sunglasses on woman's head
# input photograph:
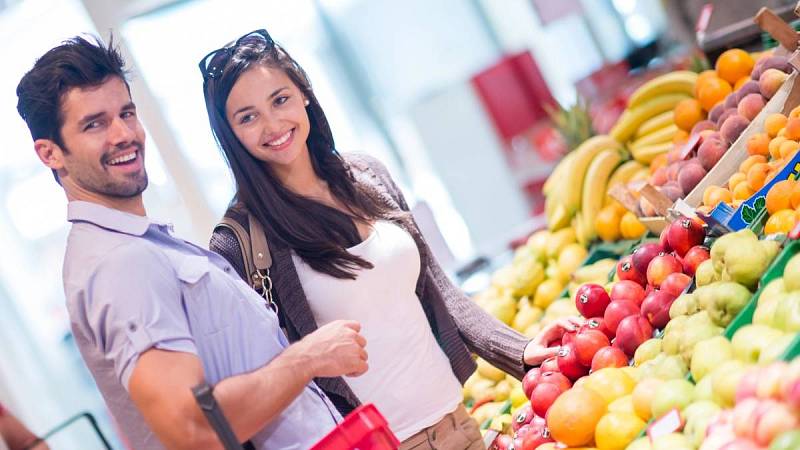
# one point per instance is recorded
(212, 64)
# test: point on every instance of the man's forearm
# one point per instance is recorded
(252, 400)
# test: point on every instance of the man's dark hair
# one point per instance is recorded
(76, 63)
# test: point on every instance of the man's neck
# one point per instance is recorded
(132, 205)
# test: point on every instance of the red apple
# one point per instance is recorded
(533, 435)
(609, 357)
(655, 308)
(660, 267)
(587, 343)
(549, 365)
(556, 378)
(685, 233)
(645, 253)
(522, 417)
(568, 363)
(591, 300)
(663, 240)
(627, 290)
(530, 380)
(626, 271)
(543, 396)
(597, 323)
(693, 258)
(502, 442)
(675, 283)
(617, 311)
(631, 332)
(568, 337)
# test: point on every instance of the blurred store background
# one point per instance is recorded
(453, 95)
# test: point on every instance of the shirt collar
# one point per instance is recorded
(109, 218)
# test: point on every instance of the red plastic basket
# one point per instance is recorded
(363, 429)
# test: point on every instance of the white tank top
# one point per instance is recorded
(409, 378)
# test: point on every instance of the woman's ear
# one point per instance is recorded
(306, 102)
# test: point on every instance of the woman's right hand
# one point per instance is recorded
(336, 349)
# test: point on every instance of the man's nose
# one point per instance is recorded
(121, 132)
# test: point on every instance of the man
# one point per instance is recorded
(154, 315)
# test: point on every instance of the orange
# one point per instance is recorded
(607, 223)
(794, 198)
(775, 146)
(773, 124)
(742, 192)
(643, 396)
(572, 418)
(687, 113)
(617, 429)
(611, 383)
(781, 222)
(740, 82)
(788, 148)
(658, 162)
(795, 112)
(779, 196)
(745, 166)
(630, 227)
(757, 176)
(681, 137)
(734, 64)
(735, 179)
(701, 80)
(758, 144)
(792, 128)
(713, 91)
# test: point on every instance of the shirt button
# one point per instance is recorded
(132, 326)
(227, 269)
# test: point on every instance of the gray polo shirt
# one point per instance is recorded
(131, 285)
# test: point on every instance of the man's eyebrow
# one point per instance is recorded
(90, 118)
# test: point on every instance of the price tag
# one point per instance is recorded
(668, 423)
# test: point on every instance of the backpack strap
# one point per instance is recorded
(255, 255)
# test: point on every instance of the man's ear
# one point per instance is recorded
(49, 153)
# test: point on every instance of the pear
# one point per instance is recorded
(670, 368)
(772, 290)
(787, 313)
(697, 416)
(684, 305)
(718, 251)
(775, 349)
(708, 354)
(745, 261)
(648, 350)
(706, 274)
(725, 300)
(724, 381)
(791, 274)
(765, 311)
(750, 340)
(771, 248)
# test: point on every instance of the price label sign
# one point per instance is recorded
(668, 423)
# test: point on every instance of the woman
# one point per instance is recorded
(344, 245)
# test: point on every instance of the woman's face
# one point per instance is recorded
(267, 113)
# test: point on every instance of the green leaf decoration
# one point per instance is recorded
(748, 214)
(760, 203)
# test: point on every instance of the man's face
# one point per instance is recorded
(103, 140)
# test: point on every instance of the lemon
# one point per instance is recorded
(547, 292)
(570, 258)
(617, 429)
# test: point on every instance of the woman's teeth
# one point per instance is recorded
(281, 140)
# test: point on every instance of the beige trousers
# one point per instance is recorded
(456, 431)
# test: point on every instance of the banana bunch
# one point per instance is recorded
(624, 174)
(647, 127)
(595, 187)
(564, 189)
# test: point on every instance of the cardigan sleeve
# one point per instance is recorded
(491, 339)
(224, 242)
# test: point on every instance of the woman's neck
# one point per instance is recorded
(300, 178)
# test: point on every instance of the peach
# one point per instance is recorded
(690, 175)
(792, 129)
(735, 179)
(751, 87)
(673, 169)
(672, 190)
(718, 195)
(757, 176)
(758, 144)
(773, 62)
(775, 146)
(715, 112)
(724, 116)
(742, 192)
(750, 106)
(795, 112)
(731, 101)
(788, 148)
(703, 125)
(710, 151)
(774, 123)
(659, 177)
(770, 81)
(745, 166)
(733, 127)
